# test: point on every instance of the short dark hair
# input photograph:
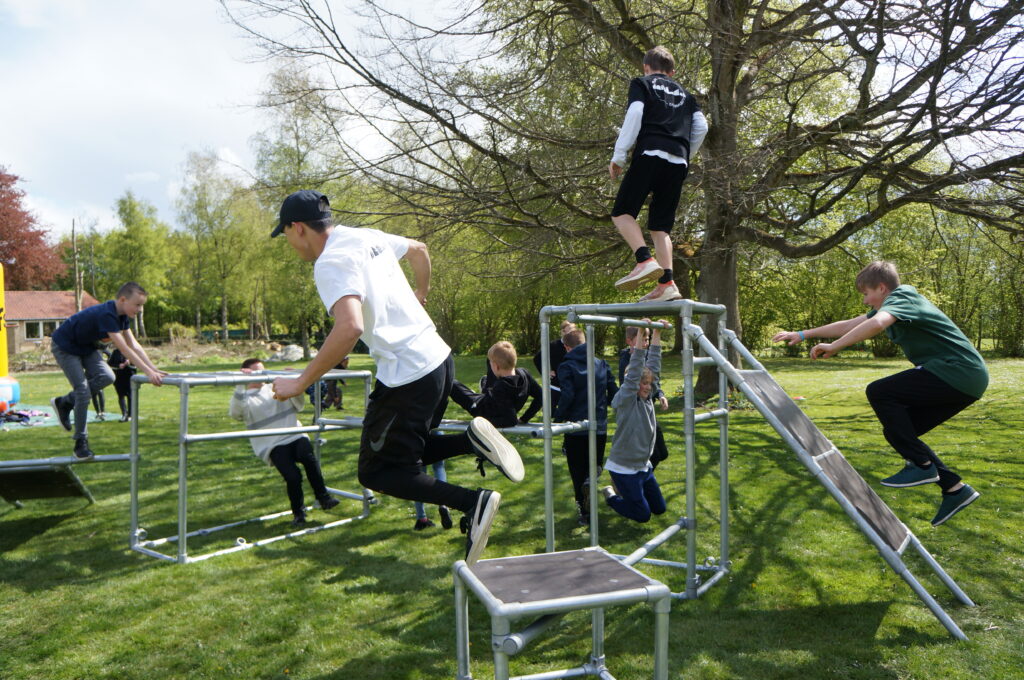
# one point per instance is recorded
(129, 289)
(660, 59)
(320, 226)
(573, 338)
(878, 273)
(631, 332)
(249, 363)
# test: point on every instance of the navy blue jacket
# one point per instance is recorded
(572, 376)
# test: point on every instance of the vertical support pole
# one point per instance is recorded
(461, 628)
(500, 629)
(183, 474)
(549, 480)
(689, 411)
(723, 450)
(597, 615)
(662, 608)
(592, 434)
(133, 449)
(318, 441)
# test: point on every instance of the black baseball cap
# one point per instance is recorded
(302, 206)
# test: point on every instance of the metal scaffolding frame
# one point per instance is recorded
(631, 314)
(185, 381)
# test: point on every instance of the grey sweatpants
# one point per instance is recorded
(88, 375)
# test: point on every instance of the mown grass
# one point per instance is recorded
(808, 597)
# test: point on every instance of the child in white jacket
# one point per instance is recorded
(254, 404)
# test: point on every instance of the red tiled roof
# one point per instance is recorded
(43, 304)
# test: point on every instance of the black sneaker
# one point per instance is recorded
(422, 523)
(585, 496)
(954, 502)
(477, 525)
(912, 475)
(62, 411)
(327, 502)
(299, 520)
(491, 445)
(82, 451)
(446, 516)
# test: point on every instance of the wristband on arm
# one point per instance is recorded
(801, 334)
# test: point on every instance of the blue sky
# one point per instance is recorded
(101, 96)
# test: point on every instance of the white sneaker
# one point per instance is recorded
(478, 526)
(663, 292)
(492, 446)
(647, 270)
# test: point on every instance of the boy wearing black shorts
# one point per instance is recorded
(666, 126)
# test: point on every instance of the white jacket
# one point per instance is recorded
(258, 409)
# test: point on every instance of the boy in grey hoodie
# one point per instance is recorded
(636, 493)
(254, 404)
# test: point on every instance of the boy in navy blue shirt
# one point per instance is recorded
(75, 347)
(572, 407)
(666, 128)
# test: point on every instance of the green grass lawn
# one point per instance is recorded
(808, 597)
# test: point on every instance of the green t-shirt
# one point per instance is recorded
(930, 340)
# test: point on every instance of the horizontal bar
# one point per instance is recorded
(676, 308)
(237, 378)
(620, 321)
(154, 553)
(270, 432)
(650, 545)
(64, 460)
(711, 415)
(704, 361)
(578, 672)
(704, 587)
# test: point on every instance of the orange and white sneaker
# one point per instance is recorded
(647, 270)
(663, 292)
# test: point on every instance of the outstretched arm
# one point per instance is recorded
(348, 326)
(868, 328)
(832, 330)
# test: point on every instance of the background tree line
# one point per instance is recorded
(840, 132)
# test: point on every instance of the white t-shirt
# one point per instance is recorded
(364, 262)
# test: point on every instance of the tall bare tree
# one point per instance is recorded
(501, 115)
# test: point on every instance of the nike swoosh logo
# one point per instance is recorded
(377, 445)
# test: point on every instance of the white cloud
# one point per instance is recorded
(114, 94)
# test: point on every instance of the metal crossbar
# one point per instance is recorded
(185, 381)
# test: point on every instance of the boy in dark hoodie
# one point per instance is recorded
(505, 390)
(572, 407)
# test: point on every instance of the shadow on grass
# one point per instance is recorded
(21, 530)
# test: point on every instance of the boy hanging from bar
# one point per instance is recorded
(254, 404)
(635, 493)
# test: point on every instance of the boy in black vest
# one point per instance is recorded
(665, 123)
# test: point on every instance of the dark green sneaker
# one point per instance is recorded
(954, 503)
(912, 475)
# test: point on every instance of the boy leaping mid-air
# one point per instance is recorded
(362, 285)
(636, 493)
(949, 375)
(254, 404)
(74, 348)
(665, 123)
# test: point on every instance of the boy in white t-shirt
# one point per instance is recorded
(362, 285)
(255, 405)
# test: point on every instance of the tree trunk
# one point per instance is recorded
(717, 284)
(224, 315)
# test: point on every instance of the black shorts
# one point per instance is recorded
(399, 419)
(647, 175)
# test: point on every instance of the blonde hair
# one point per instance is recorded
(647, 377)
(878, 273)
(503, 354)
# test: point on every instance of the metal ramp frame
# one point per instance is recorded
(890, 536)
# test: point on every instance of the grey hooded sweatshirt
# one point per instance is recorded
(634, 417)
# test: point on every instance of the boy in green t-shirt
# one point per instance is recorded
(949, 375)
